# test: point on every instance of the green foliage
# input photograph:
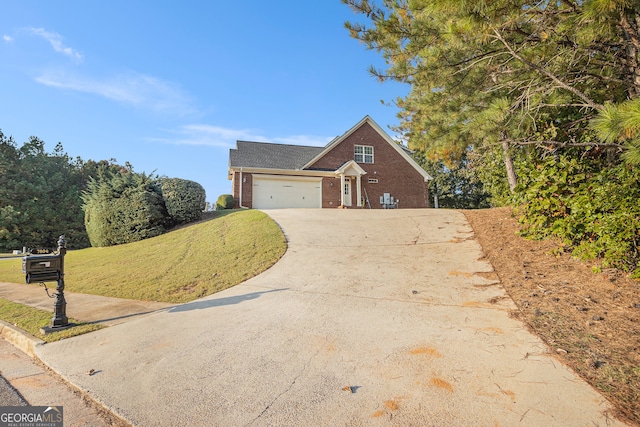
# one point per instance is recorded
(123, 207)
(457, 185)
(621, 124)
(225, 201)
(512, 82)
(592, 209)
(184, 199)
(40, 196)
(489, 166)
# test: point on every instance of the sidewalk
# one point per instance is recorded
(82, 307)
(37, 384)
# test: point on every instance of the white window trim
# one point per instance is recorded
(363, 156)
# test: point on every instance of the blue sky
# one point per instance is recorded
(170, 86)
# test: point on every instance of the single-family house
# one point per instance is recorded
(363, 168)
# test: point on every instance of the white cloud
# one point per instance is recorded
(213, 136)
(7, 39)
(55, 40)
(216, 136)
(134, 89)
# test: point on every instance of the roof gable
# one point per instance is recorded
(350, 168)
(368, 120)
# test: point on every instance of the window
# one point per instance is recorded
(363, 154)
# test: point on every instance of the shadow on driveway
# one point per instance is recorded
(199, 305)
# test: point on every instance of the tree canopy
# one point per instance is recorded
(541, 99)
(39, 196)
(44, 195)
(549, 74)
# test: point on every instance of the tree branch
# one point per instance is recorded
(546, 73)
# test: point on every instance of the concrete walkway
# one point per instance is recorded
(370, 318)
(81, 307)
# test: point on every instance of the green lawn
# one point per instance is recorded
(180, 266)
(32, 319)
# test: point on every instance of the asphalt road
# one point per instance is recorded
(8, 395)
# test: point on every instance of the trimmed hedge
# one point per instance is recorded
(225, 201)
(125, 209)
(185, 200)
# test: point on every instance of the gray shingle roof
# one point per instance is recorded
(271, 156)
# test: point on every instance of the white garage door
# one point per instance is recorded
(277, 192)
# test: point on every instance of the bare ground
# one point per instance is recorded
(590, 321)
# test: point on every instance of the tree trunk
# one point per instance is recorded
(508, 163)
(631, 35)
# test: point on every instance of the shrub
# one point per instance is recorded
(123, 208)
(225, 201)
(184, 199)
(592, 208)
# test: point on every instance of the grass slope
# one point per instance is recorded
(179, 266)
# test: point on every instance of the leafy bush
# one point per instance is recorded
(225, 201)
(184, 199)
(122, 208)
(592, 208)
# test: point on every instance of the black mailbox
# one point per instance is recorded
(42, 268)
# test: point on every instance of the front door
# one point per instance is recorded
(347, 192)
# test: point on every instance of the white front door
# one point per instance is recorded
(347, 192)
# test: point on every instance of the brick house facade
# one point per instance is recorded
(363, 168)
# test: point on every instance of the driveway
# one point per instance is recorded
(372, 317)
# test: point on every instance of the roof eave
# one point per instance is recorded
(299, 172)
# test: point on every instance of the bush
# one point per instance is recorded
(225, 201)
(123, 208)
(594, 209)
(185, 200)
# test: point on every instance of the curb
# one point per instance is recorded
(20, 338)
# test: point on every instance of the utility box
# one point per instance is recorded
(42, 268)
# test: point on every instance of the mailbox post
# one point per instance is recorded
(60, 306)
(48, 268)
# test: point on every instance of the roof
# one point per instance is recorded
(271, 156)
(266, 155)
(403, 151)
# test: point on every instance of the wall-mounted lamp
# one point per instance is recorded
(244, 179)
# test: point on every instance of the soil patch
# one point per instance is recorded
(591, 322)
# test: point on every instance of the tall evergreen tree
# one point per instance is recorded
(39, 196)
(505, 73)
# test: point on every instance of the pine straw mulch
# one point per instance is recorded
(590, 321)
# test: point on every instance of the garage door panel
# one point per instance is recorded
(278, 193)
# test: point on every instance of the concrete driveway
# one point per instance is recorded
(385, 317)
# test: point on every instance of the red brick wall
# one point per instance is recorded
(247, 189)
(330, 192)
(394, 174)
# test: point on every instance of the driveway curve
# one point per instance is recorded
(372, 317)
